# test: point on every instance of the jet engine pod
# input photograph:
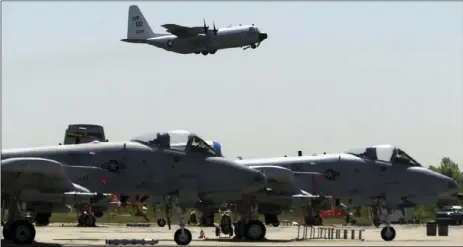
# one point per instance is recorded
(276, 173)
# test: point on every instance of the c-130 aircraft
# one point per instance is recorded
(149, 165)
(188, 40)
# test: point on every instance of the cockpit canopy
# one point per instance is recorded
(387, 153)
(180, 140)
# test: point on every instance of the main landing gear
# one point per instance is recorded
(271, 219)
(249, 227)
(17, 228)
(206, 52)
(86, 220)
(85, 217)
(182, 236)
(388, 232)
(253, 46)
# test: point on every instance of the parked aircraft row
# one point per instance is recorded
(184, 170)
(188, 40)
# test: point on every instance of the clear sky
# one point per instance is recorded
(330, 77)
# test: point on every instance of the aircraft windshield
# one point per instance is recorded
(180, 140)
(387, 153)
(402, 158)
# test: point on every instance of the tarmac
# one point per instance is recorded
(67, 235)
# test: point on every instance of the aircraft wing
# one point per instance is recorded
(44, 177)
(183, 31)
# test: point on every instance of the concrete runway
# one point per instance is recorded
(67, 235)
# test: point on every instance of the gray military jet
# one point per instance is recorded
(383, 174)
(149, 164)
(187, 40)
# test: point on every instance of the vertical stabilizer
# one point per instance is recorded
(137, 26)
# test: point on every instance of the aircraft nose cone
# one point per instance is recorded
(263, 36)
(453, 185)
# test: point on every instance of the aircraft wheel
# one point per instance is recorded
(317, 220)
(213, 52)
(89, 220)
(237, 230)
(98, 214)
(255, 230)
(376, 222)
(225, 225)
(276, 223)
(253, 46)
(183, 238)
(388, 233)
(161, 222)
(81, 220)
(204, 53)
(6, 232)
(193, 220)
(197, 52)
(42, 219)
(22, 232)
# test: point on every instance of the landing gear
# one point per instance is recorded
(193, 220)
(17, 228)
(388, 232)
(20, 232)
(183, 236)
(42, 219)
(255, 230)
(161, 222)
(253, 46)
(271, 219)
(249, 227)
(226, 225)
(206, 52)
(207, 219)
(86, 220)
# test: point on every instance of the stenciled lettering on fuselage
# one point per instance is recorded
(83, 177)
(138, 24)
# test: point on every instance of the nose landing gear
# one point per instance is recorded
(388, 232)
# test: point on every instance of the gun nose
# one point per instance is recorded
(263, 36)
(453, 185)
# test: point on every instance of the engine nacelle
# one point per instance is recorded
(276, 173)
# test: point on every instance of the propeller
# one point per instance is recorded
(205, 28)
(214, 31)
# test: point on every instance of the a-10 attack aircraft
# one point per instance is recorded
(382, 176)
(188, 40)
(145, 165)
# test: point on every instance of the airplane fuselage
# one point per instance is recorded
(357, 181)
(134, 168)
(231, 37)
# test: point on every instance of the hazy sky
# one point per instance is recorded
(330, 77)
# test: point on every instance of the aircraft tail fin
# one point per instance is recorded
(137, 26)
